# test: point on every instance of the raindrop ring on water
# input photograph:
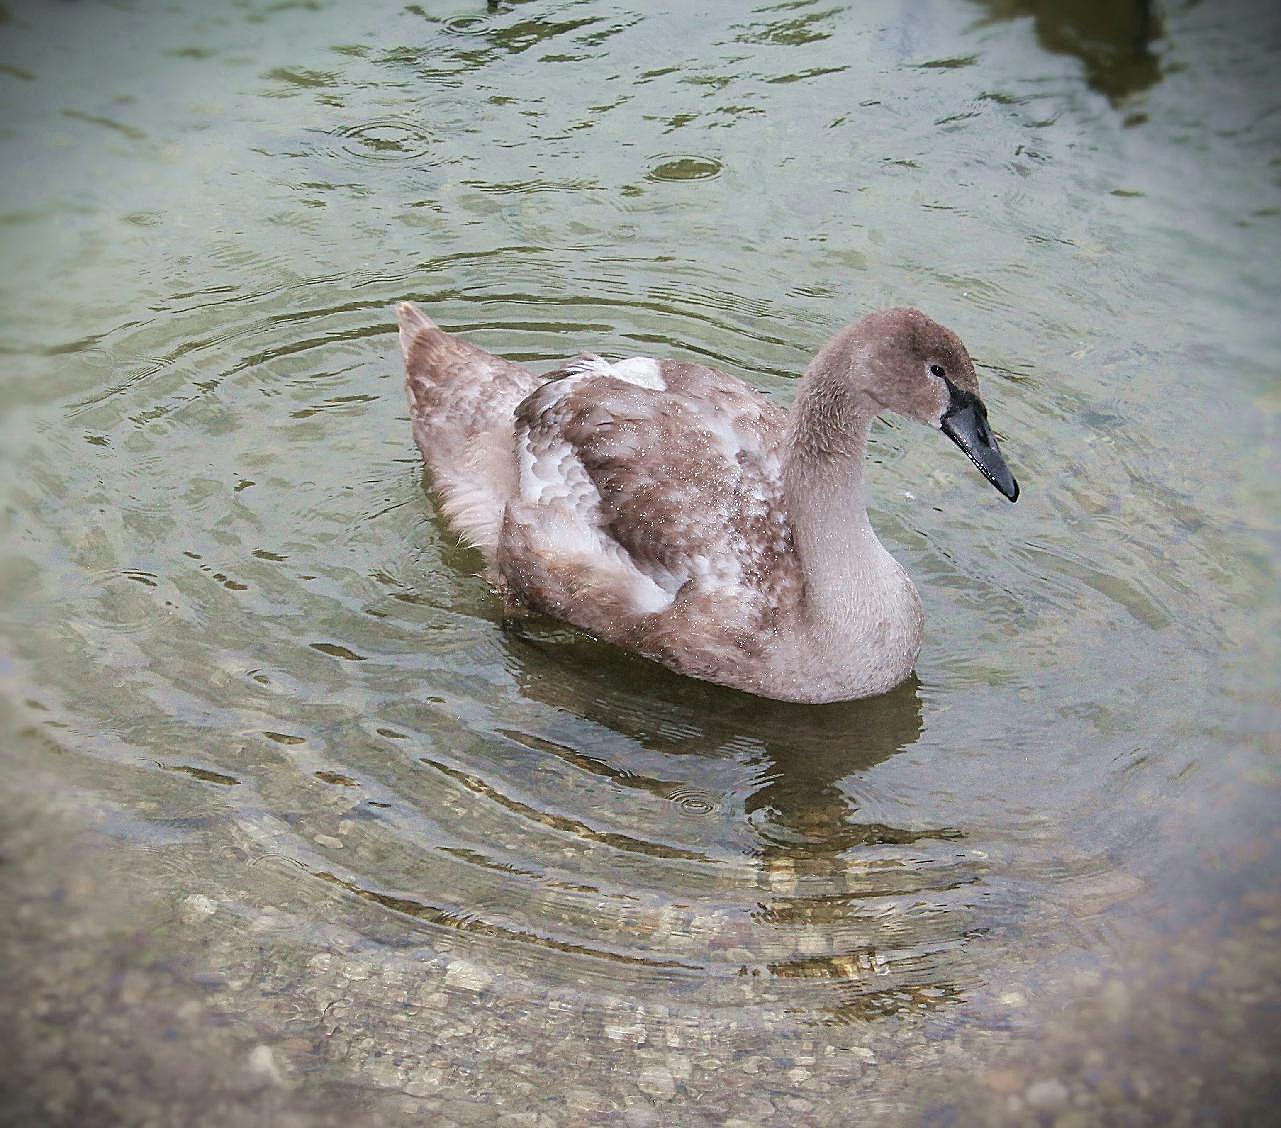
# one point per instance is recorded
(694, 802)
(465, 25)
(386, 139)
(684, 167)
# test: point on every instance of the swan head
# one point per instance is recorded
(908, 363)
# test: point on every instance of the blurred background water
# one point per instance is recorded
(296, 829)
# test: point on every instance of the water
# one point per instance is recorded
(295, 826)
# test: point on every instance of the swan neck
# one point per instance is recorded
(842, 560)
(827, 448)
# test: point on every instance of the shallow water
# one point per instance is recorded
(297, 826)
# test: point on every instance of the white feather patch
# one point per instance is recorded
(643, 371)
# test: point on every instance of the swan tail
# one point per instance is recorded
(462, 405)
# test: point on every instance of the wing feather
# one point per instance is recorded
(677, 477)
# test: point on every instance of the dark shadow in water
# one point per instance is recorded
(800, 754)
(799, 807)
(1112, 38)
(863, 916)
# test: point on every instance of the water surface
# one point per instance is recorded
(295, 823)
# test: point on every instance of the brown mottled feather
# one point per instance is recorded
(695, 507)
(461, 403)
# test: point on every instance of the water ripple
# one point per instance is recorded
(576, 806)
(385, 139)
(677, 168)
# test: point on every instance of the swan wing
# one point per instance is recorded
(642, 484)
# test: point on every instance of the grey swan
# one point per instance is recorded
(673, 511)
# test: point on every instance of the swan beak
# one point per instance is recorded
(965, 423)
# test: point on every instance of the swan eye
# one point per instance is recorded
(937, 370)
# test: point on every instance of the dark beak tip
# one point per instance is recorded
(966, 427)
(1005, 483)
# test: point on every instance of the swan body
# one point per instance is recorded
(674, 511)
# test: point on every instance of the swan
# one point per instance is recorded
(672, 510)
